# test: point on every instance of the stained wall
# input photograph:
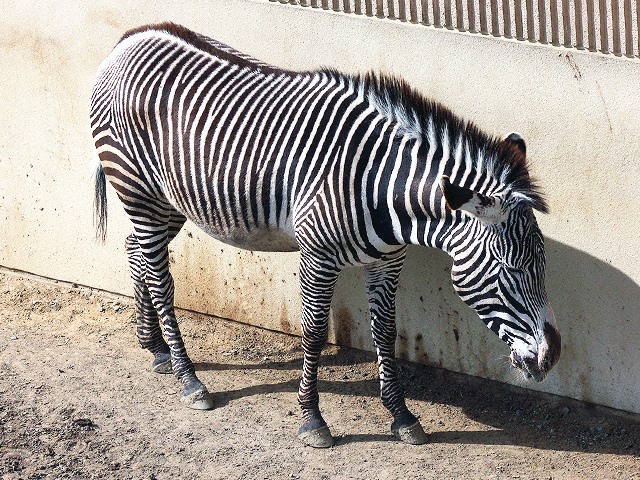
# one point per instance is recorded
(579, 112)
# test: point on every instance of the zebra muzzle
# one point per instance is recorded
(528, 366)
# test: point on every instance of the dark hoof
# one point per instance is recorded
(413, 434)
(162, 363)
(197, 396)
(318, 438)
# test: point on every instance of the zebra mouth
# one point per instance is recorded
(528, 367)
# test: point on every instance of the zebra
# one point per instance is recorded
(346, 169)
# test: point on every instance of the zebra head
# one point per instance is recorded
(499, 271)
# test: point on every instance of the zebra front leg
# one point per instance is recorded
(153, 241)
(317, 282)
(381, 284)
(148, 329)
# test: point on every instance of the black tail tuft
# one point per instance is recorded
(100, 205)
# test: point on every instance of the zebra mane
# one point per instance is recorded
(416, 115)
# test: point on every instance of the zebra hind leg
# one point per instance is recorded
(153, 235)
(381, 284)
(317, 284)
(148, 329)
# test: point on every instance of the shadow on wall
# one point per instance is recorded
(597, 309)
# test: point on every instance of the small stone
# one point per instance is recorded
(84, 423)
(101, 309)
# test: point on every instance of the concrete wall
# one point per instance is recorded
(579, 112)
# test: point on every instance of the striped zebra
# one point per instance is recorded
(348, 170)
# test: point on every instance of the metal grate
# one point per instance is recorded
(607, 26)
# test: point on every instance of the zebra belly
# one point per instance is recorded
(258, 239)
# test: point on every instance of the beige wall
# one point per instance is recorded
(579, 112)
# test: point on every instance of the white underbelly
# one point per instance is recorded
(259, 239)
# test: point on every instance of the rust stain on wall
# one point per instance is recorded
(403, 344)
(343, 326)
(284, 319)
(420, 352)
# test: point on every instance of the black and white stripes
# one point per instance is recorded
(346, 169)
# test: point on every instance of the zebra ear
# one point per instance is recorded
(517, 140)
(486, 209)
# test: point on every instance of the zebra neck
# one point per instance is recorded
(405, 199)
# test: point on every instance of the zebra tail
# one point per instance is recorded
(100, 204)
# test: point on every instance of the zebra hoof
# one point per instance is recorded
(162, 364)
(413, 434)
(318, 438)
(197, 397)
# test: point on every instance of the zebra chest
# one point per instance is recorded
(265, 239)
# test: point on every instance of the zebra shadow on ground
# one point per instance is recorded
(597, 307)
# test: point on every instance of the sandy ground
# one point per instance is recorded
(78, 400)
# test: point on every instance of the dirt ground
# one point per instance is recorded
(78, 400)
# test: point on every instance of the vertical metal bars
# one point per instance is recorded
(608, 26)
(413, 11)
(628, 29)
(425, 12)
(471, 11)
(506, 17)
(542, 23)
(638, 25)
(495, 27)
(591, 25)
(459, 16)
(437, 21)
(615, 24)
(579, 27)
(447, 14)
(555, 35)
(604, 37)
(531, 29)
(483, 17)
(402, 11)
(518, 20)
(566, 24)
